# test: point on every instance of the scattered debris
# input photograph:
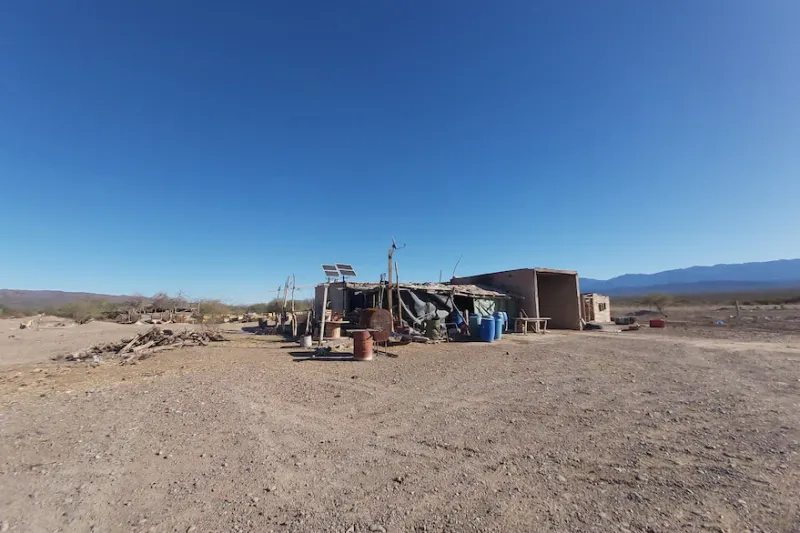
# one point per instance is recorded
(33, 323)
(145, 344)
(322, 351)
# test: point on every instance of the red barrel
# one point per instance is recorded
(657, 323)
(362, 345)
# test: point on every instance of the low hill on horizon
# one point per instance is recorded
(23, 299)
(783, 273)
(742, 277)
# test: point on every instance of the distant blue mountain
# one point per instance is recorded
(717, 278)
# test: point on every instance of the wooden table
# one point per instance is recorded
(539, 324)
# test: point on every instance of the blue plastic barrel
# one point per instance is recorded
(475, 324)
(487, 329)
(498, 325)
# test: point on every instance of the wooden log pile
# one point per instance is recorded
(144, 345)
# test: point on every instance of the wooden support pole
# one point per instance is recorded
(294, 316)
(283, 307)
(322, 319)
(399, 301)
(389, 286)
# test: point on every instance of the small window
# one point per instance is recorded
(601, 307)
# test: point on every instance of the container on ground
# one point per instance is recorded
(487, 329)
(362, 345)
(475, 324)
(498, 325)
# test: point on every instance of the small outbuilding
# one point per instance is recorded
(596, 308)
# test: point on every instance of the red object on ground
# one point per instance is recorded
(362, 345)
(657, 323)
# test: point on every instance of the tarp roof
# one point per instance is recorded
(472, 291)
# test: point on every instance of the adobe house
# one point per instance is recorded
(545, 292)
(596, 308)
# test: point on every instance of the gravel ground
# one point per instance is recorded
(564, 432)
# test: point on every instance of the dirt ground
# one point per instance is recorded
(58, 336)
(652, 431)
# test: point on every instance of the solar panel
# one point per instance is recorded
(331, 271)
(345, 269)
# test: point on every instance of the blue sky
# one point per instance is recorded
(215, 147)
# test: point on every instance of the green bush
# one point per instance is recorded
(83, 311)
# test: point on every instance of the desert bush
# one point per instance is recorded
(276, 306)
(659, 301)
(7, 312)
(211, 311)
(258, 308)
(83, 311)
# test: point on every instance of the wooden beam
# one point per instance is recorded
(399, 301)
(294, 316)
(389, 287)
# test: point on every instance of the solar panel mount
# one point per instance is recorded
(346, 270)
(331, 271)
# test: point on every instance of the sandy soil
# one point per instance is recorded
(643, 431)
(57, 336)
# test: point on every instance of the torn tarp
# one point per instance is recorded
(419, 306)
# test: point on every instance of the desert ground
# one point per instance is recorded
(692, 428)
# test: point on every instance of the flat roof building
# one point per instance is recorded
(545, 292)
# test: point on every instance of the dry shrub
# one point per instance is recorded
(84, 311)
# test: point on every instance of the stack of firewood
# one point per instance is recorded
(144, 345)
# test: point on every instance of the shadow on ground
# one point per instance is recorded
(300, 356)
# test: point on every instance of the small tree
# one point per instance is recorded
(161, 301)
(137, 302)
(211, 311)
(659, 301)
(180, 301)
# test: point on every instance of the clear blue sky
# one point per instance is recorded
(216, 147)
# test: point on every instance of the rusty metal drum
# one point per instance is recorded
(362, 345)
(379, 320)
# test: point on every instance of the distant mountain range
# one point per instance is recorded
(25, 299)
(743, 277)
(784, 273)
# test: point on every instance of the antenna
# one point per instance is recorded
(455, 267)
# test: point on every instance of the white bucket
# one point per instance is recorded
(305, 342)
